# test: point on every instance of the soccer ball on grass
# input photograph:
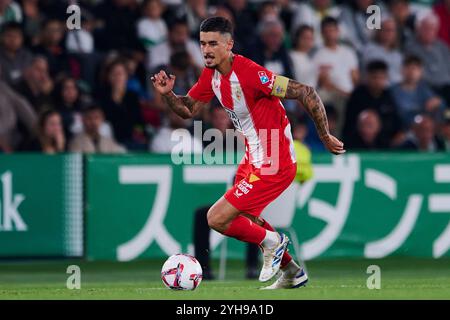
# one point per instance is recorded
(181, 272)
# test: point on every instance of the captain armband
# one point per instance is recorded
(280, 86)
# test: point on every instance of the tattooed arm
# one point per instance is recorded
(310, 100)
(184, 106)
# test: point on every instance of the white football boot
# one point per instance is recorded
(289, 281)
(272, 259)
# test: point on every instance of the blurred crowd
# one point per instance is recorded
(88, 89)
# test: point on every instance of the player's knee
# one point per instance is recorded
(214, 220)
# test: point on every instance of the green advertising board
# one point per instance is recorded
(357, 205)
(41, 205)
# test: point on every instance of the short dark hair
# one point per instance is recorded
(180, 60)
(11, 26)
(177, 22)
(328, 21)
(91, 108)
(412, 60)
(217, 24)
(299, 31)
(44, 115)
(376, 65)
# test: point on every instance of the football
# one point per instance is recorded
(181, 272)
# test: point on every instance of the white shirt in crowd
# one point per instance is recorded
(152, 32)
(79, 41)
(341, 62)
(160, 54)
(393, 58)
(306, 15)
(305, 71)
(168, 140)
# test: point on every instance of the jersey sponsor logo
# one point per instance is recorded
(263, 77)
(272, 80)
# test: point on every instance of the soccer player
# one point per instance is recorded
(251, 96)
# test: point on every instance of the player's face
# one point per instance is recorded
(216, 48)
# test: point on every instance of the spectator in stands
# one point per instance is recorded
(178, 41)
(135, 83)
(442, 11)
(244, 23)
(182, 67)
(174, 137)
(270, 51)
(17, 118)
(14, 57)
(68, 101)
(9, 11)
(354, 20)
(368, 132)
(374, 94)
(32, 20)
(37, 85)
(312, 13)
(337, 66)
(51, 46)
(81, 41)
(286, 10)
(194, 11)
(404, 18)
(91, 140)
(445, 130)
(268, 10)
(50, 136)
(121, 106)
(413, 95)
(385, 48)
(302, 152)
(151, 28)
(118, 25)
(303, 66)
(422, 136)
(434, 54)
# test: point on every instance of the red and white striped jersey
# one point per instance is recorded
(245, 93)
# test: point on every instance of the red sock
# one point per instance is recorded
(244, 229)
(286, 256)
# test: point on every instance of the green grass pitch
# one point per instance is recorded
(401, 278)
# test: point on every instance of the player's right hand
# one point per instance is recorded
(162, 82)
(333, 144)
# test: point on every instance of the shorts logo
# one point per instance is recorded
(263, 77)
(253, 178)
(244, 187)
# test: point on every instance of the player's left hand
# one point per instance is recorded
(333, 144)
